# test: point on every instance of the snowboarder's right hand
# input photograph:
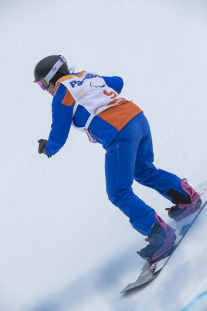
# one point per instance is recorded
(41, 148)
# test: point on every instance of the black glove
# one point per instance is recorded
(41, 148)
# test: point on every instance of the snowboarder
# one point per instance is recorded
(92, 104)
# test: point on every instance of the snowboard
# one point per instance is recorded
(151, 270)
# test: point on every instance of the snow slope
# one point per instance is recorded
(63, 245)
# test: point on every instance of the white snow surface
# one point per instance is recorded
(63, 245)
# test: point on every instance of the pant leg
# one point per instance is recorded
(120, 161)
(147, 174)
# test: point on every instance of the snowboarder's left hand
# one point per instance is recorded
(41, 148)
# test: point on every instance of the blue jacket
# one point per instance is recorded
(101, 130)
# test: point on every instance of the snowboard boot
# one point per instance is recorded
(161, 240)
(193, 203)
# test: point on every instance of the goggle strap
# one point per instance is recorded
(54, 69)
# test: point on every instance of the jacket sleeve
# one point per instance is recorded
(62, 115)
(116, 83)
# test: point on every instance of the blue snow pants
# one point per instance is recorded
(130, 157)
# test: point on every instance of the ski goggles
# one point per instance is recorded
(44, 82)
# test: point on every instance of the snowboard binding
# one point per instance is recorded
(161, 240)
(180, 211)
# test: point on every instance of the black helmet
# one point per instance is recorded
(46, 70)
